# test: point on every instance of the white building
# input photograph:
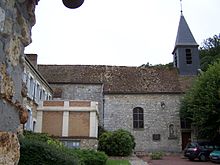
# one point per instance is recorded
(37, 89)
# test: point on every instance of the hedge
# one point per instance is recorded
(40, 153)
(41, 149)
(117, 143)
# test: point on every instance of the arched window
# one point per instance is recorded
(138, 117)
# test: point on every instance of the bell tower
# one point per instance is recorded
(185, 53)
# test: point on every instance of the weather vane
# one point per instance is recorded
(181, 7)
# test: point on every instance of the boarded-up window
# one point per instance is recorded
(52, 123)
(138, 117)
(79, 123)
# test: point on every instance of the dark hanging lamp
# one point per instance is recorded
(72, 4)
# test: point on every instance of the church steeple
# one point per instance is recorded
(185, 53)
(184, 34)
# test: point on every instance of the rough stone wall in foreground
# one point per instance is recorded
(16, 20)
(119, 114)
(9, 148)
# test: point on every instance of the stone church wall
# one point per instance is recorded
(16, 20)
(118, 112)
(82, 92)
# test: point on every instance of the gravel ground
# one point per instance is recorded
(137, 161)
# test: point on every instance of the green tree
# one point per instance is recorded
(210, 51)
(201, 104)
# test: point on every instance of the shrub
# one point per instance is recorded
(40, 153)
(43, 137)
(91, 157)
(101, 130)
(41, 149)
(156, 155)
(117, 143)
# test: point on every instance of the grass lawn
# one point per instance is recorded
(117, 162)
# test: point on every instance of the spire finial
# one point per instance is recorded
(181, 6)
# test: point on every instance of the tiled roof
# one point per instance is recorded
(116, 79)
(186, 82)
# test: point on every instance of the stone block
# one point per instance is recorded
(13, 50)
(9, 148)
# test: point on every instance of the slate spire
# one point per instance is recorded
(184, 34)
(185, 53)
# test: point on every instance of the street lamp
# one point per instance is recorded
(72, 4)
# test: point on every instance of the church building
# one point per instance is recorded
(144, 101)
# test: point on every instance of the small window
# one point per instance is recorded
(188, 56)
(31, 87)
(138, 117)
(175, 60)
(72, 143)
(34, 125)
(43, 95)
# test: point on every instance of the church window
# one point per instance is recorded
(175, 60)
(138, 117)
(188, 56)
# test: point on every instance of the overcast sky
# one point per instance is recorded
(117, 32)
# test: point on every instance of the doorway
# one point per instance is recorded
(186, 137)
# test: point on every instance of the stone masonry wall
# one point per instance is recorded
(89, 144)
(82, 92)
(16, 20)
(118, 112)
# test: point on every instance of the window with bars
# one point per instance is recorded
(188, 56)
(138, 117)
(185, 123)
